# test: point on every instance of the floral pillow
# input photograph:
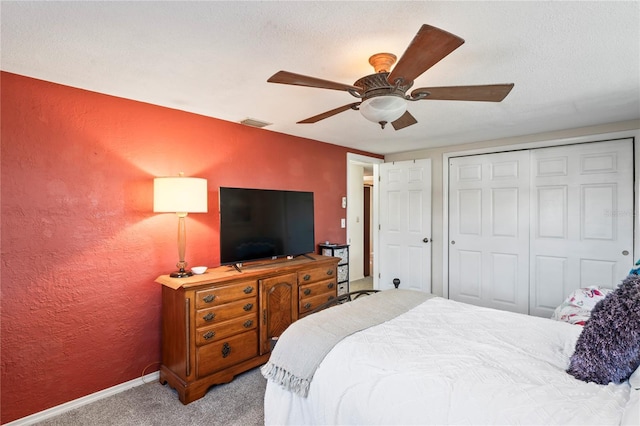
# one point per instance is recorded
(576, 309)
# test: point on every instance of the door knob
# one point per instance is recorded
(425, 240)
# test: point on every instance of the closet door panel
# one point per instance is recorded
(489, 230)
(596, 221)
(505, 273)
(552, 215)
(550, 277)
(583, 213)
(470, 278)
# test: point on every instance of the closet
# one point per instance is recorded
(528, 227)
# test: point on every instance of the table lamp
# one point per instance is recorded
(180, 195)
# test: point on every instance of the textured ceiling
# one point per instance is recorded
(574, 64)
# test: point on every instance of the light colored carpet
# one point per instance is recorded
(364, 284)
(238, 403)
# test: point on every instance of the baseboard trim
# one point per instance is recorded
(77, 403)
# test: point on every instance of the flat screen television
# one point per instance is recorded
(260, 224)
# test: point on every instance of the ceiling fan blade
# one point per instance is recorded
(405, 121)
(286, 77)
(427, 48)
(328, 114)
(485, 93)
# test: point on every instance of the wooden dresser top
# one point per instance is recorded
(251, 270)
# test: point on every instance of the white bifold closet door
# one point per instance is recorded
(528, 227)
(489, 230)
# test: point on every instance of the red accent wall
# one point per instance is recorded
(81, 246)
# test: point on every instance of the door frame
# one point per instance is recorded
(363, 159)
(635, 134)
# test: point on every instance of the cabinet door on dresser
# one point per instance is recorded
(278, 301)
(226, 326)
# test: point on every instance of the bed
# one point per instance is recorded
(436, 362)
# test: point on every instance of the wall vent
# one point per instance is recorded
(255, 123)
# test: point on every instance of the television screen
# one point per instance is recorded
(263, 223)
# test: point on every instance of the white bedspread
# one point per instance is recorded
(446, 362)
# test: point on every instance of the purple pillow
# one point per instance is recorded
(608, 349)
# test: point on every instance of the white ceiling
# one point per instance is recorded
(574, 64)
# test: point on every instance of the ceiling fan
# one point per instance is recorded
(383, 95)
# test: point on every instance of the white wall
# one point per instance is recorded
(437, 195)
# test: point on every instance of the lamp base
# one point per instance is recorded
(181, 274)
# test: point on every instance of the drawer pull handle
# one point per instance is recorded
(209, 298)
(307, 305)
(248, 323)
(307, 291)
(307, 277)
(248, 290)
(330, 285)
(210, 316)
(329, 271)
(248, 307)
(209, 335)
(226, 350)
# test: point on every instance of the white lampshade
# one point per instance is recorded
(179, 194)
(383, 108)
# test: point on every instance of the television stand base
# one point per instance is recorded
(243, 267)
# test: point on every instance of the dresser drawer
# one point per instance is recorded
(226, 293)
(225, 312)
(343, 288)
(317, 274)
(316, 289)
(214, 333)
(311, 303)
(226, 352)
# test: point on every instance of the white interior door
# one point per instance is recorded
(489, 230)
(405, 225)
(582, 219)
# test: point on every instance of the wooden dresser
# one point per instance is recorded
(223, 322)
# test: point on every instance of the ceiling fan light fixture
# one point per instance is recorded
(385, 109)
